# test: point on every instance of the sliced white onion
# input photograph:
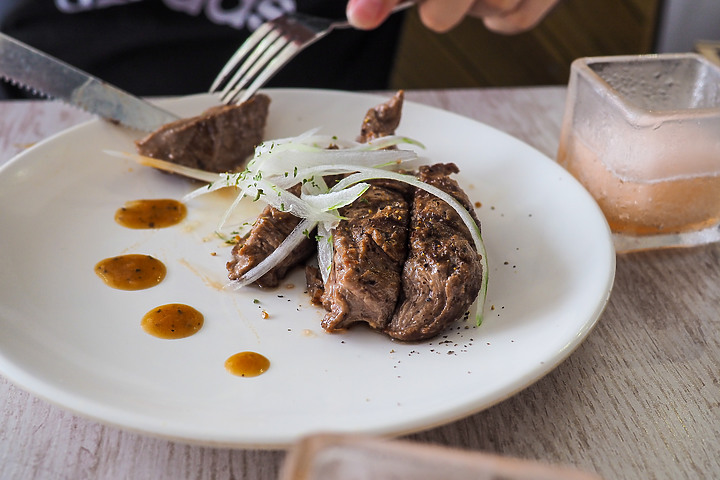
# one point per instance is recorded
(222, 180)
(325, 250)
(387, 141)
(336, 199)
(287, 163)
(230, 210)
(315, 187)
(285, 201)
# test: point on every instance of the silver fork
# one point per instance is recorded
(268, 49)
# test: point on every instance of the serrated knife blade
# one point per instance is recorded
(47, 75)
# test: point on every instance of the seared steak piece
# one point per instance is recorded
(382, 120)
(270, 229)
(369, 249)
(268, 232)
(273, 226)
(315, 287)
(442, 275)
(219, 140)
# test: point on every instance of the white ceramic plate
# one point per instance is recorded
(70, 339)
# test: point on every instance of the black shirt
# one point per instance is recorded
(176, 47)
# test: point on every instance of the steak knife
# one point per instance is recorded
(30, 68)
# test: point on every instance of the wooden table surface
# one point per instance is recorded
(639, 399)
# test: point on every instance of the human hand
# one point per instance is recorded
(502, 16)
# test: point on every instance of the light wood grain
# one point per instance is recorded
(639, 399)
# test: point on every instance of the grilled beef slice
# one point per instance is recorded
(273, 226)
(219, 140)
(369, 249)
(442, 274)
(382, 120)
(269, 230)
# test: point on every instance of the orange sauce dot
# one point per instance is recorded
(131, 272)
(172, 321)
(247, 364)
(158, 213)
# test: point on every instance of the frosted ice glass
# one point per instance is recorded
(642, 133)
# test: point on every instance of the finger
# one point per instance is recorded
(526, 15)
(443, 15)
(493, 8)
(368, 14)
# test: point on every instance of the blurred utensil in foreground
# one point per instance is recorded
(335, 456)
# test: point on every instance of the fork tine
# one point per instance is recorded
(272, 42)
(265, 66)
(268, 49)
(249, 44)
(275, 64)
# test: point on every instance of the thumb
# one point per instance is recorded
(368, 14)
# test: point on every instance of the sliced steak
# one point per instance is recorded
(369, 249)
(269, 230)
(442, 275)
(315, 287)
(219, 140)
(382, 120)
(273, 226)
(370, 246)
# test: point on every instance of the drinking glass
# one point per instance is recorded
(642, 134)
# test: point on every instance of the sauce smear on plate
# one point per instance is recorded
(247, 364)
(157, 213)
(172, 321)
(131, 272)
